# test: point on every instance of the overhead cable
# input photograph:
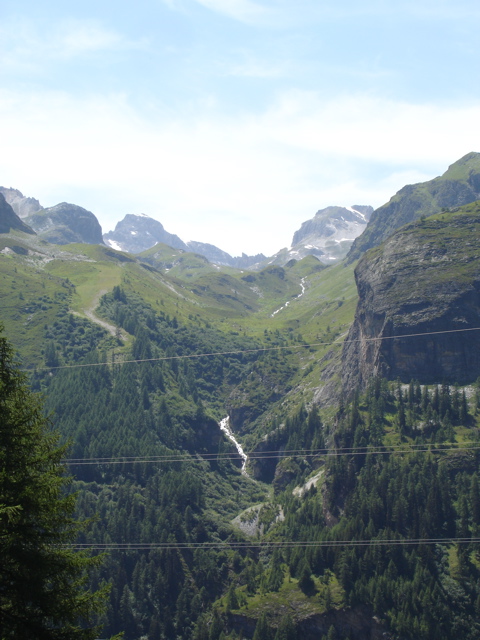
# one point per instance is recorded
(257, 350)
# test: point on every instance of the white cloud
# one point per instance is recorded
(244, 183)
(372, 128)
(79, 38)
(241, 10)
(25, 46)
(250, 66)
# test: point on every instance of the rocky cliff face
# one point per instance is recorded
(22, 205)
(425, 279)
(9, 220)
(65, 223)
(458, 186)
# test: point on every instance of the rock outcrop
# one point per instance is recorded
(458, 186)
(423, 282)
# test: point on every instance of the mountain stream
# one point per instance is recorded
(302, 284)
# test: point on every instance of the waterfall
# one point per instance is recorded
(224, 426)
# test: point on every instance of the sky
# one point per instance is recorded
(234, 121)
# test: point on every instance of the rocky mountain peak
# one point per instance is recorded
(137, 233)
(65, 223)
(328, 235)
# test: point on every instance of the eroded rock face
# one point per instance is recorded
(425, 279)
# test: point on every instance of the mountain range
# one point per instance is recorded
(328, 236)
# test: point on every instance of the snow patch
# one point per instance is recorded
(114, 245)
(358, 213)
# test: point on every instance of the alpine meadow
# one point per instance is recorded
(195, 446)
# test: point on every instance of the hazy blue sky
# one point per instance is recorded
(233, 121)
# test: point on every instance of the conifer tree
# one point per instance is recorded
(43, 591)
(262, 629)
(286, 630)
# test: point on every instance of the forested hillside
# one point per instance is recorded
(352, 520)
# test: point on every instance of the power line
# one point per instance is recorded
(265, 455)
(284, 544)
(335, 343)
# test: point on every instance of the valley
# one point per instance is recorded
(283, 450)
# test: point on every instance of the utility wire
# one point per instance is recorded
(284, 544)
(258, 350)
(265, 455)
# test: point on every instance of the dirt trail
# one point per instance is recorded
(90, 313)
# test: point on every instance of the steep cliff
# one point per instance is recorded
(458, 186)
(425, 279)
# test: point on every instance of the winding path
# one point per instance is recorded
(90, 313)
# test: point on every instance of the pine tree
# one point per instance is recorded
(286, 630)
(331, 635)
(262, 629)
(43, 590)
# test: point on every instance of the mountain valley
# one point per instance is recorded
(351, 384)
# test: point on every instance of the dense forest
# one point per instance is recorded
(397, 468)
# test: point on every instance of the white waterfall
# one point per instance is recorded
(225, 427)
